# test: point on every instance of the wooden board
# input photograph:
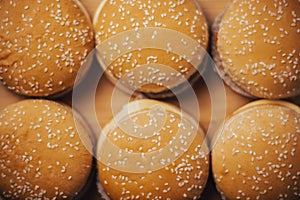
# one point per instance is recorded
(211, 8)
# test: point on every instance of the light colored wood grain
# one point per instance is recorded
(211, 8)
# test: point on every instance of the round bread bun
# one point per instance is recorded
(160, 154)
(42, 155)
(257, 48)
(257, 154)
(42, 45)
(155, 43)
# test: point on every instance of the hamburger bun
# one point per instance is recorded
(42, 155)
(256, 155)
(256, 48)
(152, 151)
(42, 45)
(153, 46)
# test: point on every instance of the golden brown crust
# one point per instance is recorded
(256, 154)
(42, 154)
(183, 178)
(268, 102)
(218, 62)
(184, 17)
(258, 43)
(43, 45)
(176, 90)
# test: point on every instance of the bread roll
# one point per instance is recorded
(256, 155)
(257, 48)
(42, 154)
(151, 44)
(42, 45)
(152, 151)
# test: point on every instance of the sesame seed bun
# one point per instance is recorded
(218, 62)
(42, 155)
(256, 156)
(43, 45)
(154, 41)
(161, 155)
(256, 44)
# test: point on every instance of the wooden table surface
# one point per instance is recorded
(211, 8)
